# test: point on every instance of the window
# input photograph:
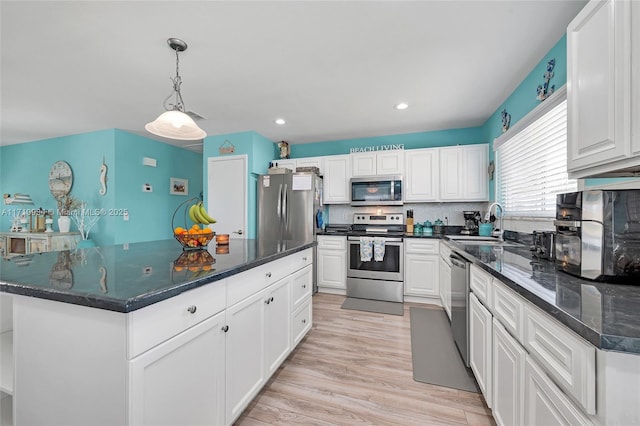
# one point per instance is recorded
(532, 161)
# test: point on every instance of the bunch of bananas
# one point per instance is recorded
(198, 214)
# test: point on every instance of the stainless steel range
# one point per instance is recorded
(375, 257)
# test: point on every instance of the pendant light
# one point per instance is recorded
(175, 123)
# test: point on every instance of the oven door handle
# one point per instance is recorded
(569, 223)
(386, 240)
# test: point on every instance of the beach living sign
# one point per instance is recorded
(376, 148)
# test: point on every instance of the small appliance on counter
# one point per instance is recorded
(598, 235)
(471, 220)
(544, 245)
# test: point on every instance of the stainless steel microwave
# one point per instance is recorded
(376, 191)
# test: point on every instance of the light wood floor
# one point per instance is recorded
(354, 367)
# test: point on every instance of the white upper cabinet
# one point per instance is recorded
(602, 88)
(311, 162)
(463, 173)
(377, 163)
(422, 175)
(337, 174)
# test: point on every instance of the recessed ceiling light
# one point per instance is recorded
(401, 105)
(280, 121)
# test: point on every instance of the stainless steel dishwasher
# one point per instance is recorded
(460, 304)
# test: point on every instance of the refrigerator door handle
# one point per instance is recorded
(279, 207)
(285, 210)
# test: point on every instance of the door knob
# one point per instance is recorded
(239, 232)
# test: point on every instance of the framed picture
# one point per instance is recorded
(178, 186)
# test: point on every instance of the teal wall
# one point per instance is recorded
(465, 136)
(25, 168)
(524, 98)
(150, 213)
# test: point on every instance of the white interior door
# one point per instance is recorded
(227, 194)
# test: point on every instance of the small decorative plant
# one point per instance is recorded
(84, 219)
(66, 203)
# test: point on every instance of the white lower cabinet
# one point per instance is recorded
(421, 268)
(181, 381)
(480, 346)
(545, 404)
(508, 378)
(258, 340)
(332, 262)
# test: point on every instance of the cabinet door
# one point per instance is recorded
(421, 178)
(475, 183)
(245, 353)
(390, 162)
(311, 162)
(286, 163)
(544, 402)
(337, 175)
(445, 286)
(450, 174)
(508, 378)
(363, 164)
(181, 381)
(332, 268)
(598, 86)
(480, 346)
(277, 323)
(421, 275)
(38, 245)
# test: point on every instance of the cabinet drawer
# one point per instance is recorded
(414, 245)
(445, 251)
(154, 324)
(332, 242)
(301, 322)
(568, 359)
(301, 286)
(508, 308)
(299, 260)
(480, 284)
(247, 283)
(545, 403)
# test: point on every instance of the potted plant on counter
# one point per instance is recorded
(85, 219)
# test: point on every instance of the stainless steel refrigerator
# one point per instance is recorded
(288, 206)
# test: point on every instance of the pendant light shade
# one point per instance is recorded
(175, 123)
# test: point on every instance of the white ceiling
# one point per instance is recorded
(332, 69)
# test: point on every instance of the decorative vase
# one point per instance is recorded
(64, 223)
(86, 243)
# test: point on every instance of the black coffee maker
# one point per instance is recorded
(471, 220)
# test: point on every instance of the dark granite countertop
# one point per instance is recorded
(607, 315)
(135, 275)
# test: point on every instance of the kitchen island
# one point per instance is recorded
(145, 333)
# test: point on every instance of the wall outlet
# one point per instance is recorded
(125, 216)
(147, 188)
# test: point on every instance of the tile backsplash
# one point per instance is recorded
(449, 213)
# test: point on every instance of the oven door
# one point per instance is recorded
(389, 269)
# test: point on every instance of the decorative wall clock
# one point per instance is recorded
(60, 179)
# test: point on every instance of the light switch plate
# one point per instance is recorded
(147, 188)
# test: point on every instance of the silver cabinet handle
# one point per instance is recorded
(268, 274)
(304, 259)
(225, 328)
(192, 309)
(304, 286)
(304, 321)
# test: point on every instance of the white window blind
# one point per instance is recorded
(532, 166)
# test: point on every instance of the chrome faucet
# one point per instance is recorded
(500, 231)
